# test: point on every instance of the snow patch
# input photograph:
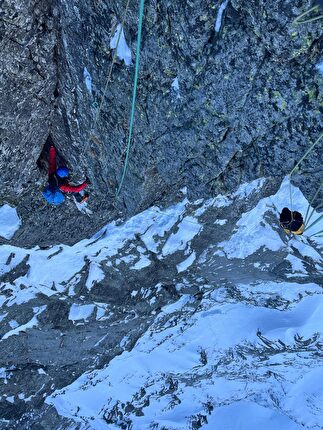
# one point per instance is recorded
(319, 67)
(253, 233)
(307, 389)
(123, 50)
(80, 312)
(175, 87)
(221, 201)
(306, 250)
(296, 264)
(22, 328)
(143, 262)
(3, 373)
(101, 310)
(163, 221)
(3, 316)
(173, 350)
(246, 415)
(255, 230)
(9, 221)
(96, 274)
(13, 324)
(87, 80)
(218, 21)
(184, 265)
(220, 221)
(248, 188)
(188, 228)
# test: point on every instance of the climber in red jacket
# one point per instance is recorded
(58, 181)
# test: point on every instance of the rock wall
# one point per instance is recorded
(247, 104)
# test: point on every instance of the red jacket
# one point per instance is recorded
(52, 161)
(65, 187)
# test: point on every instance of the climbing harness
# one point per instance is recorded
(300, 19)
(141, 13)
(297, 232)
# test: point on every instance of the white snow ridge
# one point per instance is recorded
(218, 326)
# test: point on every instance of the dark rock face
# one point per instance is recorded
(247, 106)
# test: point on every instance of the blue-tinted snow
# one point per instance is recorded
(175, 87)
(241, 390)
(22, 328)
(226, 327)
(319, 67)
(87, 80)
(215, 328)
(254, 229)
(184, 265)
(218, 21)
(80, 312)
(123, 50)
(9, 221)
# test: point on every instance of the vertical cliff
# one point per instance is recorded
(228, 91)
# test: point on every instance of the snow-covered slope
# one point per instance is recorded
(202, 315)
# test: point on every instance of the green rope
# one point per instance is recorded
(306, 154)
(312, 213)
(290, 195)
(314, 222)
(296, 167)
(317, 234)
(310, 204)
(299, 21)
(141, 14)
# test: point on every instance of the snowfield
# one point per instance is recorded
(238, 347)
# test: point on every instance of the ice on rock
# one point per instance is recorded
(123, 50)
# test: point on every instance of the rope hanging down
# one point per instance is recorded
(141, 13)
(300, 19)
(306, 154)
(296, 167)
(97, 115)
(307, 220)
